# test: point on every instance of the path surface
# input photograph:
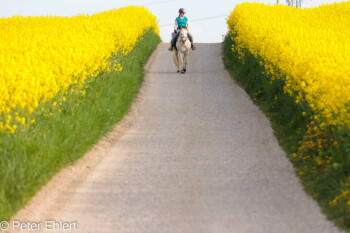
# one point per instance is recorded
(197, 157)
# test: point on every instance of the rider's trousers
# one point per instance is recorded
(174, 39)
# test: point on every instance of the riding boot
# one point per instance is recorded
(171, 47)
(172, 43)
(190, 37)
(192, 46)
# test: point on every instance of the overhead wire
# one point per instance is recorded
(147, 4)
(198, 19)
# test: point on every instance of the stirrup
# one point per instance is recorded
(171, 48)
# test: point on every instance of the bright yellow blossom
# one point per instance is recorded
(42, 56)
(308, 48)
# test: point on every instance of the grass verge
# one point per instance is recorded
(321, 158)
(61, 135)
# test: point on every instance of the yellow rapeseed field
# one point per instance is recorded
(42, 56)
(309, 48)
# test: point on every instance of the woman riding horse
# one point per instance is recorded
(180, 21)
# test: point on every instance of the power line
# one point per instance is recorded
(147, 4)
(199, 19)
(158, 2)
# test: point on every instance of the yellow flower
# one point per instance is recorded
(315, 69)
(43, 56)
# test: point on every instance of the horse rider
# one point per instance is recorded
(180, 21)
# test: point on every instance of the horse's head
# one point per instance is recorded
(183, 34)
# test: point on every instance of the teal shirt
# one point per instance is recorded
(181, 22)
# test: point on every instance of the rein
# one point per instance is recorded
(181, 37)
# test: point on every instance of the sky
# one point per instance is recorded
(207, 19)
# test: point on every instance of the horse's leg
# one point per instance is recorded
(181, 55)
(176, 60)
(185, 61)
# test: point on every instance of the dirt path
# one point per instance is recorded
(194, 155)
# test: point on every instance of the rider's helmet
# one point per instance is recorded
(182, 10)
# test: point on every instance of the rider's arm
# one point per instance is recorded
(175, 26)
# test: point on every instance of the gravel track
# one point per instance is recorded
(194, 155)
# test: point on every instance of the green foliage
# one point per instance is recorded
(32, 155)
(323, 167)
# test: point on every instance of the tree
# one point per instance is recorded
(292, 3)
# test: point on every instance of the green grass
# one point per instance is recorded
(323, 182)
(32, 155)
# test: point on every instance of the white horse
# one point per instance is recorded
(180, 55)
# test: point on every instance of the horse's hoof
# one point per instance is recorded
(178, 71)
(183, 71)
